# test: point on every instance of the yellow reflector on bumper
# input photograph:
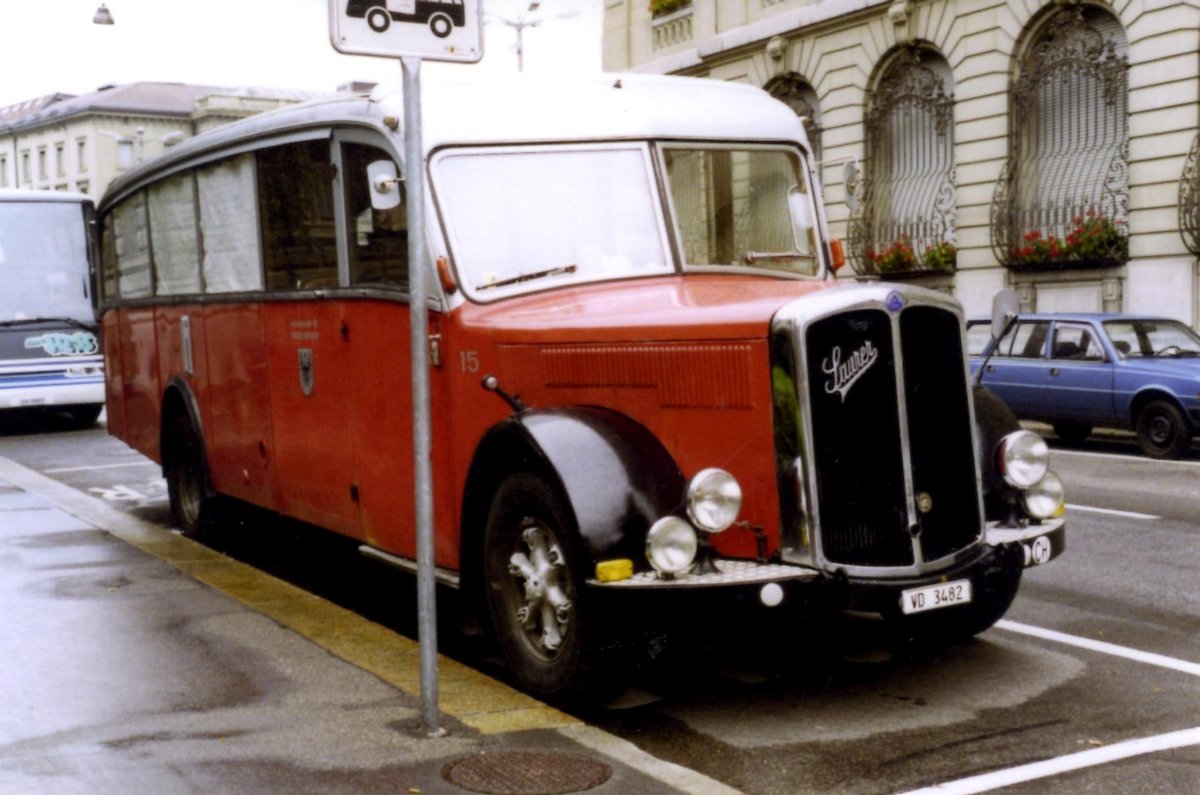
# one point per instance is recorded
(613, 570)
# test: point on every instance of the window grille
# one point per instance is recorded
(1189, 200)
(793, 91)
(904, 224)
(1062, 200)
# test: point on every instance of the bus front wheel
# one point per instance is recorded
(533, 583)
(379, 19)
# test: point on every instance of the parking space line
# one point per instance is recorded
(60, 470)
(1127, 457)
(1064, 764)
(1149, 658)
(1148, 517)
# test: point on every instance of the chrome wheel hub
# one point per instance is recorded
(544, 611)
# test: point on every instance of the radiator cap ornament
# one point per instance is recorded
(895, 302)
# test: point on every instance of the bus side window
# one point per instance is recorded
(378, 239)
(298, 227)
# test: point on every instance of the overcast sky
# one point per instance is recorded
(52, 45)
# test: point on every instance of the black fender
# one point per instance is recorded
(993, 421)
(617, 477)
(178, 397)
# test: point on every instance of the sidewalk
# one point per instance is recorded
(137, 661)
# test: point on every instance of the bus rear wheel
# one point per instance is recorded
(189, 489)
(533, 584)
(379, 19)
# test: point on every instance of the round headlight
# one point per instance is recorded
(1045, 498)
(714, 499)
(671, 545)
(1023, 459)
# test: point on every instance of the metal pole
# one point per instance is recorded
(414, 176)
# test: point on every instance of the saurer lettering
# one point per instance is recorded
(844, 374)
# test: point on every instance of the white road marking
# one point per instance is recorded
(60, 470)
(1091, 757)
(1063, 764)
(1149, 658)
(1128, 458)
(1111, 512)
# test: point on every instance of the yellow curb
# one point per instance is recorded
(464, 694)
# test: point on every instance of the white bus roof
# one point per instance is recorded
(517, 110)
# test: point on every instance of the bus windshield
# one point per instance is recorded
(43, 261)
(742, 207)
(522, 220)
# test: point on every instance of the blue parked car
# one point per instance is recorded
(1080, 371)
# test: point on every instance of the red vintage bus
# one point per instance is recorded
(645, 377)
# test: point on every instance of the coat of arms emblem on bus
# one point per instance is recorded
(306, 371)
(441, 15)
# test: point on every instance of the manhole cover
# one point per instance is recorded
(526, 773)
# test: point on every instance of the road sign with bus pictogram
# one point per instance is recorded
(433, 30)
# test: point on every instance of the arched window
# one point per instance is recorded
(1062, 201)
(793, 91)
(904, 222)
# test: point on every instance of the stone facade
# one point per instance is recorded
(81, 143)
(1008, 189)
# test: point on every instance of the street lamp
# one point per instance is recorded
(519, 24)
(103, 16)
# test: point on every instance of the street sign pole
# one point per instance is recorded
(414, 178)
(412, 32)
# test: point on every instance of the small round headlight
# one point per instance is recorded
(671, 545)
(714, 500)
(1045, 498)
(1023, 458)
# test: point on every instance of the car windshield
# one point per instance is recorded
(742, 208)
(43, 261)
(1152, 338)
(524, 219)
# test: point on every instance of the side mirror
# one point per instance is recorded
(1005, 306)
(800, 208)
(387, 189)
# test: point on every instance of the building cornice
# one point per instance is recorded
(762, 30)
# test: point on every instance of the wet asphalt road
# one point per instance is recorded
(834, 709)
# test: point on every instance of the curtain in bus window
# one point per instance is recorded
(133, 247)
(298, 229)
(173, 235)
(229, 226)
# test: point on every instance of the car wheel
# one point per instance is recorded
(1072, 432)
(533, 582)
(379, 19)
(1162, 430)
(441, 25)
(188, 486)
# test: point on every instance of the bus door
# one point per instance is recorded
(379, 329)
(313, 394)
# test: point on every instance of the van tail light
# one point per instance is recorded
(837, 254)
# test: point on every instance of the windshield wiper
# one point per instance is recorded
(33, 321)
(751, 257)
(528, 277)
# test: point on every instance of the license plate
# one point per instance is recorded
(932, 597)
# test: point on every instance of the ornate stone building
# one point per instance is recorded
(81, 143)
(968, 145)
